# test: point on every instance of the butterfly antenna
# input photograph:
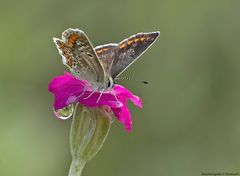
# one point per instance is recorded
(132, 79)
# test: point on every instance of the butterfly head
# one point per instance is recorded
(107, 85)
(110, 83)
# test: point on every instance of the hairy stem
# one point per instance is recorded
(76, 168)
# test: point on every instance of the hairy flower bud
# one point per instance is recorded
(89, 130)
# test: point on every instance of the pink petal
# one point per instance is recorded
(124, 116)
(126, 94)
(67, 89)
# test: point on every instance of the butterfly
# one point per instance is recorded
(103, 64)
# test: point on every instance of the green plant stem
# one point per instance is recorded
(76, 168)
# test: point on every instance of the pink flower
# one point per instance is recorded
(67, 89)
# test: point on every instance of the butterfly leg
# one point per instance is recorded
(73, 98)
(113, 93)
(100, 95)
(90, 94)
(81, 94)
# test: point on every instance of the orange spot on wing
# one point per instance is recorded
(130, 42)
(122, 45)
(99, 51)
(72, 39)
(69, 62)
(61, 45)
(136, 40)
(105, 49)
(142, 38)
(68, 59)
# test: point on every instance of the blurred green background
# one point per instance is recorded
(190, 122)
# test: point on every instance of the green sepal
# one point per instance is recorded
(89, 130)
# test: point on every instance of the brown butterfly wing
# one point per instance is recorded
(79, 55)
(107, 54)
(130, 49)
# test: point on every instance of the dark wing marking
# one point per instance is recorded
(79, 55)
(130, 49)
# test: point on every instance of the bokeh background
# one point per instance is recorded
(190, 123)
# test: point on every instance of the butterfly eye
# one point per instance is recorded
(108, 84)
